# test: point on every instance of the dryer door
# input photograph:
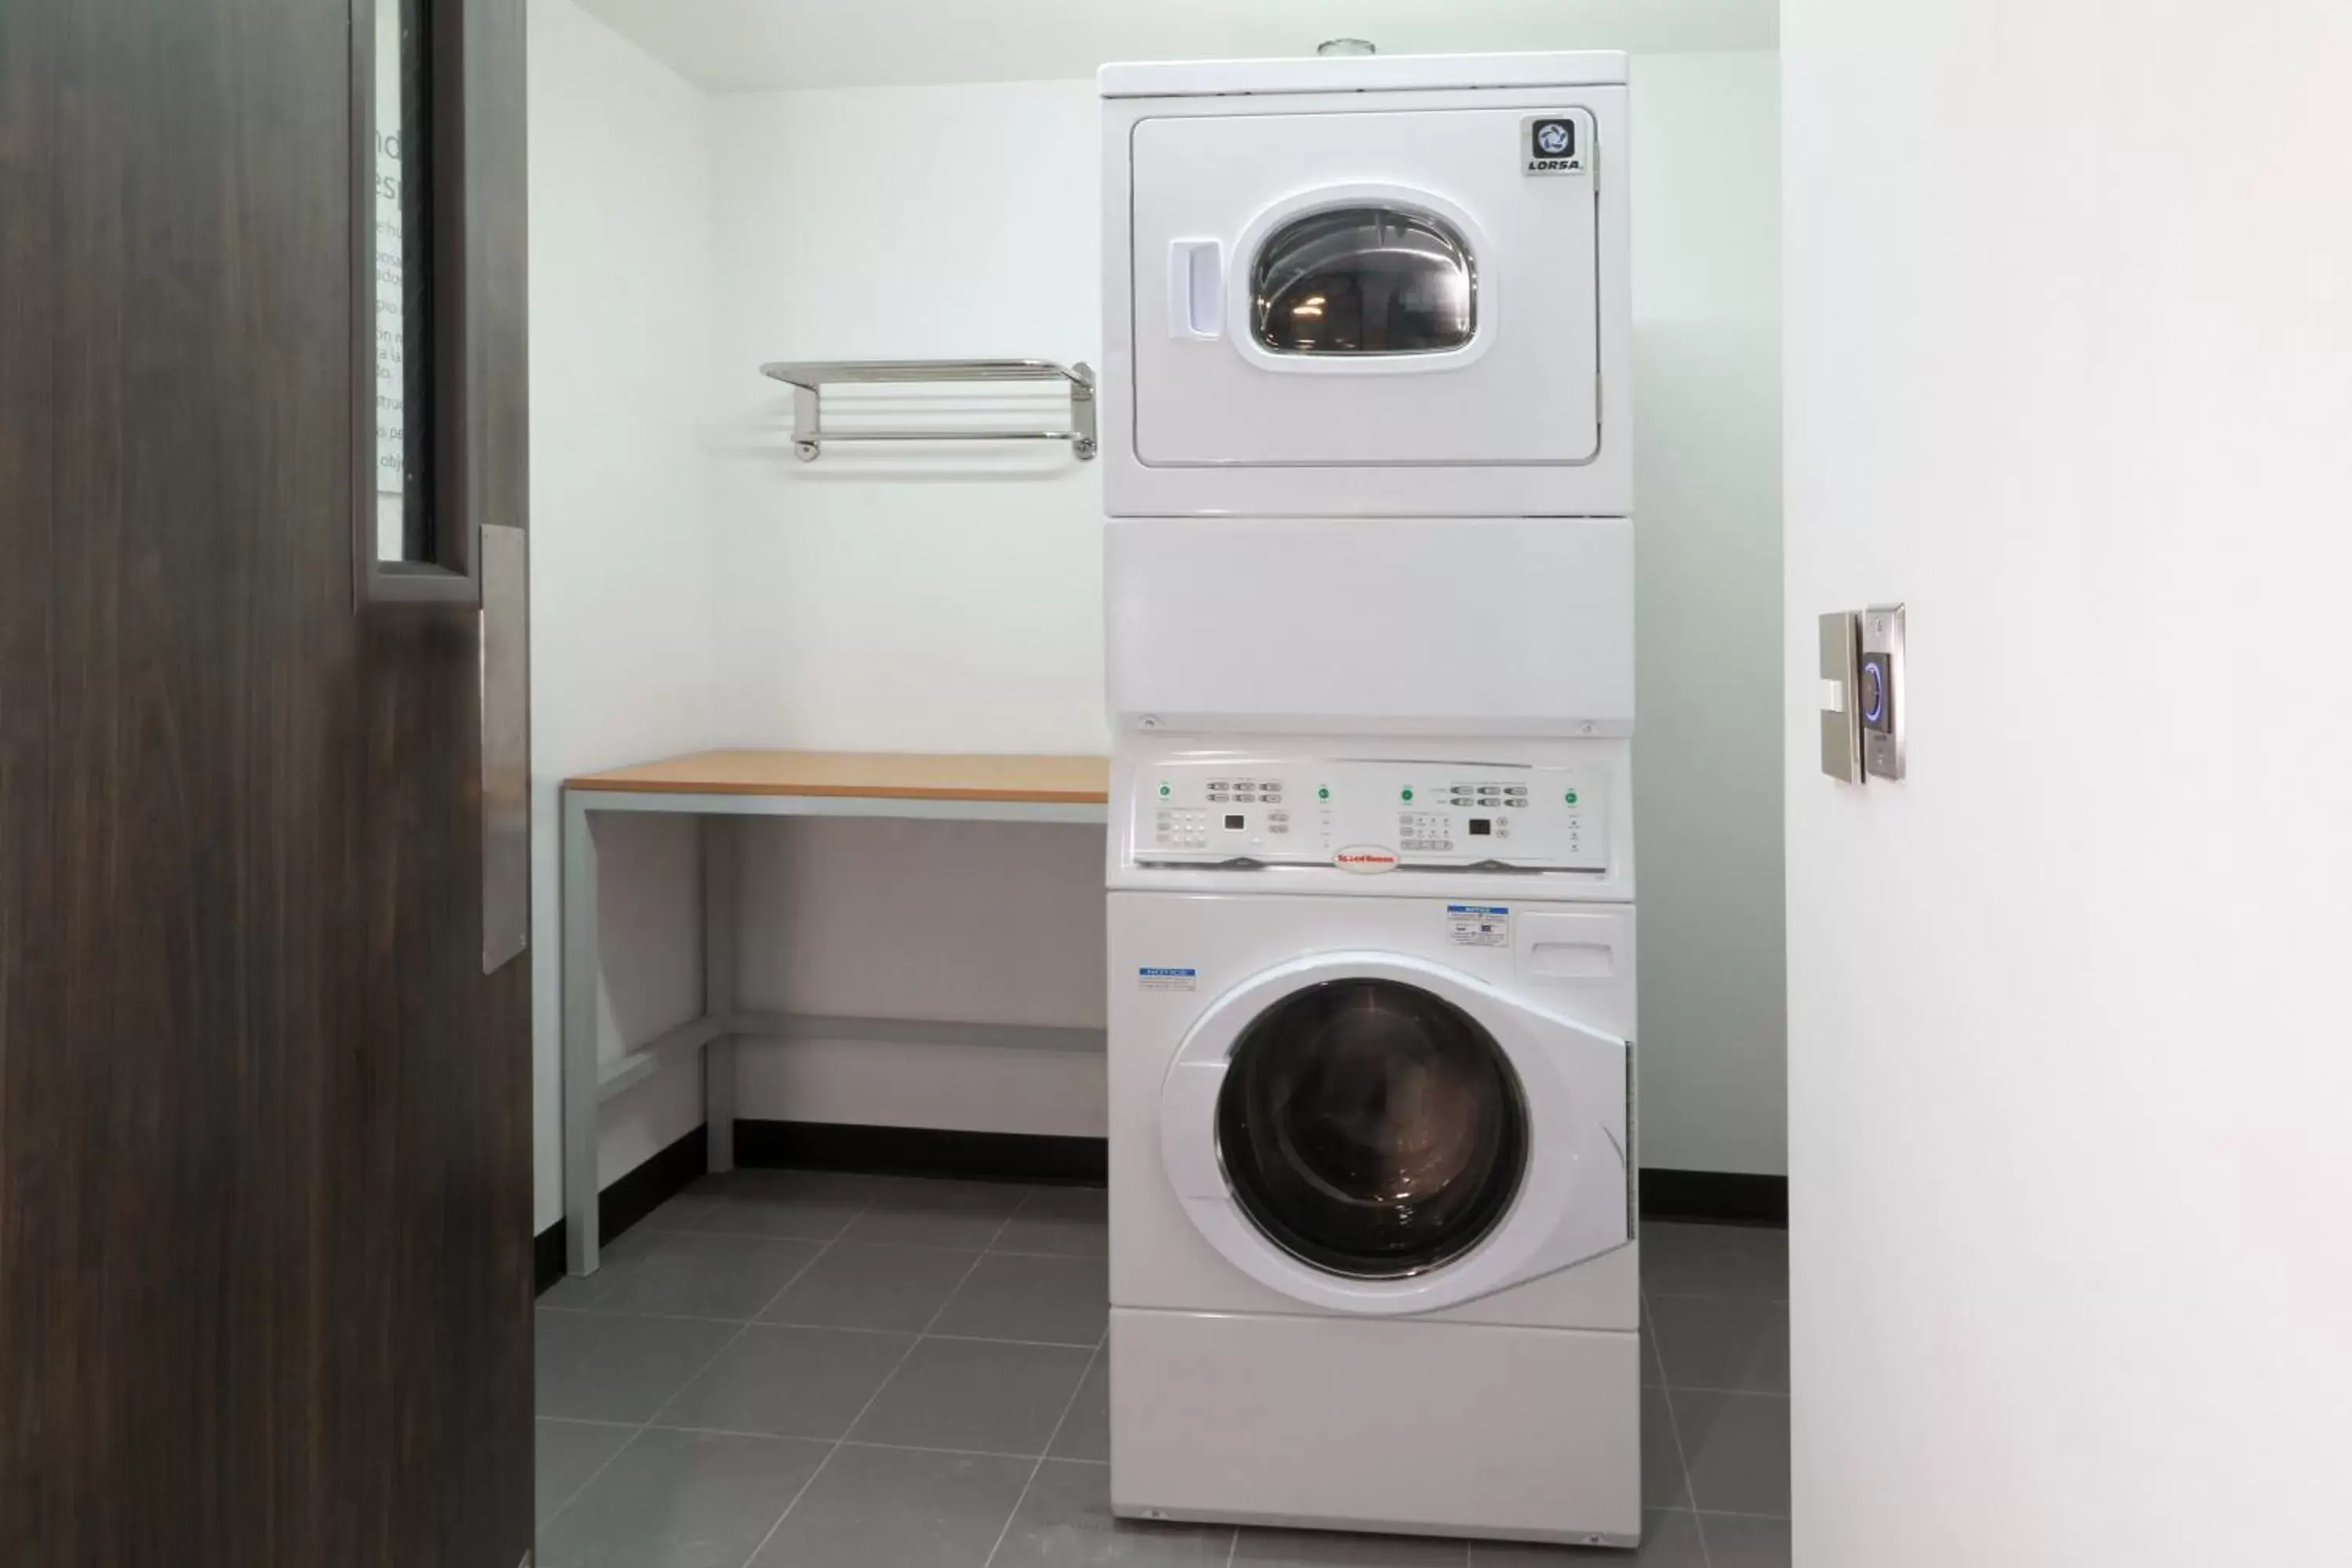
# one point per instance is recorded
(1378, 289)
(1380, 1134)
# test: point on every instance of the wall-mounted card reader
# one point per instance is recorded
(1862, 694)
(1878, 691)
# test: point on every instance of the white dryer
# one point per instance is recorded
(1371, 1134)
(1366, 286)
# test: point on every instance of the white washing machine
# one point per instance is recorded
(1372, 1137)
(1366, 286)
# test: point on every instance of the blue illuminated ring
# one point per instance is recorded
(1874, 677)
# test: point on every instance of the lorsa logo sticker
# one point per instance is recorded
(1367, 859)
(1555, 145)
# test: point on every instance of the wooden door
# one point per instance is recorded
(265, 1134)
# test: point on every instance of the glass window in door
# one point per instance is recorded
(1371, 1128)
(1364, 281)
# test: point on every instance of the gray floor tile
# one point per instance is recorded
(1065, 1521)
(1668, 1540)
(1653, 1374)
(598, 1366)
(1736, 1446)
(679, 1213)
(909, 1212)
(577, 1292)
(1323, 1548)
(788, 1382)
(799, 1205)
(976, 1393)
(1664, 1484)
(853, 1287)
(681, 1499)
(695, 1275)
(1749, 1263)
(890, 1508)
(1067, 1222)
(1713, 1342)
(1737, 1542)
(1086, 1429)
(565, 1454)
(1052, 1301)
(582, 1290)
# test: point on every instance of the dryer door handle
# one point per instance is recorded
(1196, 289)
(1188, 1128)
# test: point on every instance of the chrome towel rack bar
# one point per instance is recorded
(808, 378)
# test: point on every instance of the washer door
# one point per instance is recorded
(1378, 1133)
(1371, 1128)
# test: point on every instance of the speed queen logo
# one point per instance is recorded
(1365, 860)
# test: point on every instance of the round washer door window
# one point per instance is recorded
(1371, 1128)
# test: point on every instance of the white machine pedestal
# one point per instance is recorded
(1357, 1423)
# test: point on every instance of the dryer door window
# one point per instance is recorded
(1364, 281)
(1370, 1128)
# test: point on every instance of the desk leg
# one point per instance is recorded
(718, 907)
(582, 1085)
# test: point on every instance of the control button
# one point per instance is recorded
(1269, 799)
(1220, 796)
(1251, 798)
(1219, 784)
(1323, 793)
(1517, 789)
(1277, 816)
(1270, 783)
(1407, 793)
(1490, 789)
(1279, 828)
(1463, 800)
(1515, 803)
(1163, 791)
(1572, 797)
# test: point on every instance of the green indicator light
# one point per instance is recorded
(1323, 793)
(1163, 790)
(1408, 791)
(1572, 797)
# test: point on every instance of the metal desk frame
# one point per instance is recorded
(588, 1082)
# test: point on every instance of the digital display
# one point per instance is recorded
(1235, 821)
(1481, 825)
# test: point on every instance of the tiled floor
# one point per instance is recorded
(805, 1370)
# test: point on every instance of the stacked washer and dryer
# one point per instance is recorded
(1371, 945)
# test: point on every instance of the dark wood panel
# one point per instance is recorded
(265, 1267)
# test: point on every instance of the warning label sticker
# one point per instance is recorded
(1152, 979)
(1478, 925)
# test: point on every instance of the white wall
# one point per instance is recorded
(1707, 497)
(953, 600)
(934, 599)
(621, 565)
(2068, 326)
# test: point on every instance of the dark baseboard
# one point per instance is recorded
(922, 1151)
(1720, 1197)
(628, 1200)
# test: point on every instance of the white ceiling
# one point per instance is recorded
(744, 45)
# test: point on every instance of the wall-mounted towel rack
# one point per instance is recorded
(807, 378)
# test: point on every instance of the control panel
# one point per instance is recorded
(1371, 816)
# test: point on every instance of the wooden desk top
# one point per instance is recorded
(887, 776)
